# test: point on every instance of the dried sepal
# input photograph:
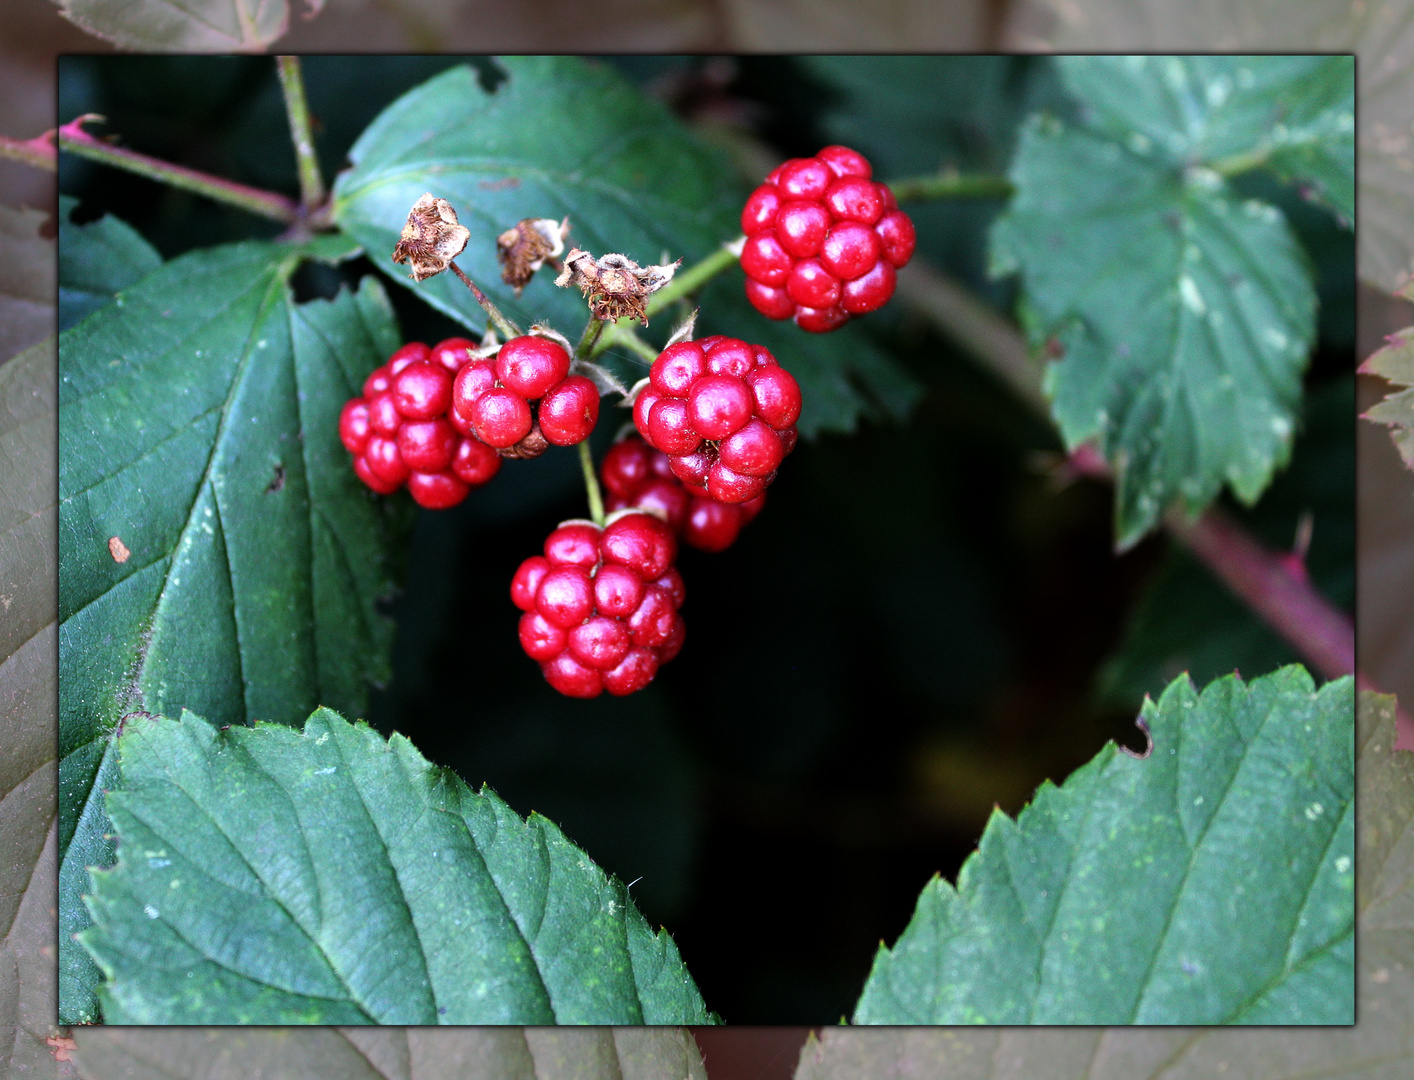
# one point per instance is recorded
(522, 250)
(541, 330)
(432, 237)
(684, 331)
(615, 286)
(604, 380)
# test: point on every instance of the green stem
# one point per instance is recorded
(591, 484)
(1241, 163)
(624, 335)
(38, 151)
(311, 184)
(690, 280)
(267, 204)
(951, 185)
(508, 329)
(592, 331)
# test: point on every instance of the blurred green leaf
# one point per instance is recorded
(1210, 882)
(1380, 34)
(97, 261)
(1188, 621)
(216, 549)
(325, 876)
(1395, 361)
(26, 280)
(562, 137)
(27, 690)
(213, 26)
(506, 1053)
(1294, 115)
(1184, 316)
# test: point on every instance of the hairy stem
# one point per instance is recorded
(593, 330)
(691, 279)
(591, 484)
(311, 184)
(1273, 585)
(622, 333)
(951, 185)
(507, 328)
(38, 151)
(267, 204)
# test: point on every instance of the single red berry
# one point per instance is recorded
(372, 479)
(897, 236)
(571, 678)
(527, 580)
(353, 425)
(617, 590)
(626, 466)
(453, 354)
(471, 382)
(634, 672)
(692, 469)
(671, 582)
(730, 356)
(760, 209)
(871, 290)
(531, 365)
(600, 642)
(717, 406)
(427, 445)
(811, 285)
(764, 259)
(437, 491)
(755, 450)
(565, 596)
(540, 639)
(501, 417)
(413, 350)
(843, 161)
(384, 461)
(574, 543)
(643, 407)
(804, 178)
(820, 320)
(651, 624)
(663, 497)
(670, 428)
(850, 249)
(474, 461)
(641, 542)
(678, 367)
(712, 526)
(801, 228)
(729, 486)
(379, 381)
(422, 390)
(569, 411)
(853, 198)
(383, 416)
(776, 395)
(771, 302)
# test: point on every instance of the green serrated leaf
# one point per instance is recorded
(27, 767)
(1379, 1047)
(1185, 316)
(1211, 882)
(216, 549)
(1395, 361)
(267, 875)
(211, 26)
(1380, 34)
(97, 261)
(1186, 620)
(490, 1053)
(562, 137)
(1294, 115)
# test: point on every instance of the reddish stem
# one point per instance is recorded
(39, 151)
(73, 138)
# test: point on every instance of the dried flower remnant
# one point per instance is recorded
(525, 248)
(432, 237)
(615, 286)
(532, 446)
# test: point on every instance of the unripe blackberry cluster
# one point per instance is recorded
(723, 411)
(636, 475)
(601, 605)
(399, 431)
(525, 398)
(823, 240)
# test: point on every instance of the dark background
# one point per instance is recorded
(913, 631)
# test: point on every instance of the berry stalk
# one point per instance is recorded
(268, 204)
(507, 328)
(951, 185)
(591, 485)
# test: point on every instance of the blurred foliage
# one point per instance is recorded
(917, 598)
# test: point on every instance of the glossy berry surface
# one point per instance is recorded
(600, 605)
(402, 430)
(635, 475)
(525, 395)
(723, 411)
(823, 241)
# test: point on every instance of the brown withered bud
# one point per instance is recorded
(524, 249)
(432, 238)
(615, 286)
(533, 445)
